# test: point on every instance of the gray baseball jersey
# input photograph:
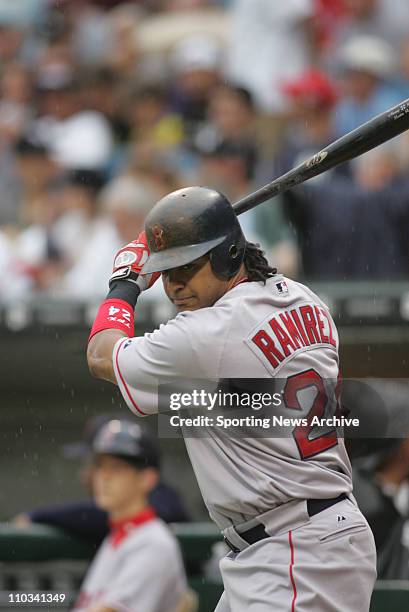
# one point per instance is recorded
(138, 567)
(277, 330)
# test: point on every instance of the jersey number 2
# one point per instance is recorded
(294, 385)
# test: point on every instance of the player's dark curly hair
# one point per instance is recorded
(257, 266)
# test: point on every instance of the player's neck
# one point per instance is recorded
(128, 511)
(237, 278)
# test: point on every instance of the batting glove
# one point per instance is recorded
(129, 262)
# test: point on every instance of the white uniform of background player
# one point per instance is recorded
(242, 479)
(284, 504)
(138, 567)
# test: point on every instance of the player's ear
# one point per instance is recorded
(149, 479)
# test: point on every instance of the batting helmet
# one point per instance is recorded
(125, 439)
(189, 223)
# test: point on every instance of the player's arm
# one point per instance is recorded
(115, 317)
(99, 354)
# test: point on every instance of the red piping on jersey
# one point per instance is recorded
(121, 529)
(134, 404)
(290, 540)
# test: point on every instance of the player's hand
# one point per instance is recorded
(129, 262)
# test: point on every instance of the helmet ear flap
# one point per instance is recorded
(228, 256)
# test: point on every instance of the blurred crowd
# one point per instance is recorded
(107, 105)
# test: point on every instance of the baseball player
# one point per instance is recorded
(284, 504)
(138, 567)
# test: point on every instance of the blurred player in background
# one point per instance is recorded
(138, 566)
(84, 518)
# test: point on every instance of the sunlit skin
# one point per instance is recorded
(119, 488)
(189, 287)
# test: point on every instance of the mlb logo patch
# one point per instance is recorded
(281, 287)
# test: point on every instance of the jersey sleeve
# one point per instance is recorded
(141, 364)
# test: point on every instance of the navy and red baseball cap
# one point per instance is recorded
(127, 440)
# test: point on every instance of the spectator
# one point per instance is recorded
(402, 78)
(34, 167)
(196, 65)
(11, 40)
(77, 136)
(150, 100)
(311, 101)
(269, 45)
(109, 95)
(345, 218)
(60, 218)
(153, 122)
(403, 84)
(92, 33)
(386, 19)
(76, 192)
(15, 109)
(163, 167)
(15, 282)
(310, 104)
(328, 17)
(230, 168)
(10, 187)
(384, 215)
(175, 20)
(368, 65)
(128, 201)
(138, 565)
(231, 116)
(121, 51)
(125, 203)
(19, 40)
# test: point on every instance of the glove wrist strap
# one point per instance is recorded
(126, 290)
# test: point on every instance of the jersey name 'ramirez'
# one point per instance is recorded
(293, 330)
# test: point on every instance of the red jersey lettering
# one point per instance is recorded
(292, 329)
(310, 324)
(300, 328)
(331, 337)
(266, 344)
(321, 325)
(282, 336)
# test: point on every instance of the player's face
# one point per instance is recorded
(118, 487)
(193, 286)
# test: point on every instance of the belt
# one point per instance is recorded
(314, 506)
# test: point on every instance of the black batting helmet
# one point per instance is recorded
(189, 223)
(129, 441)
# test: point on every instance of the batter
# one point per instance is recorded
(284, 504)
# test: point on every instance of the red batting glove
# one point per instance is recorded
(129, 262)
(117, 311)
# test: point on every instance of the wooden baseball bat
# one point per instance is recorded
(371, 134)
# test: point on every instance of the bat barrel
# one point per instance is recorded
(375, 132)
